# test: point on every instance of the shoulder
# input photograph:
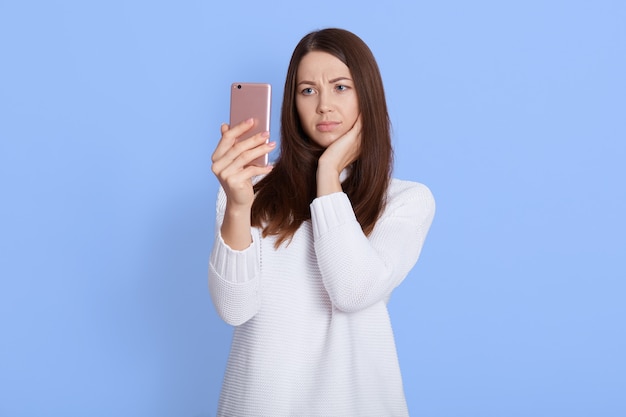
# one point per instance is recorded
(402, 190)
(409, 197)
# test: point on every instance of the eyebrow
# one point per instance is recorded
(334, 80)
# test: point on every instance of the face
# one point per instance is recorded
(326, 99)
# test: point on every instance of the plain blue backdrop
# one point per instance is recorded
(512, 112)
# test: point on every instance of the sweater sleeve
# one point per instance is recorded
(359, 271)
(233, 275)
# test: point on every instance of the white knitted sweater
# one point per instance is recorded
(313, 335)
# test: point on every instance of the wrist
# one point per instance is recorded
(236, 226)
(238, 210)
(327, 182)
(328, 166)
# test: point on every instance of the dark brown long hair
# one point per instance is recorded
(283, 197)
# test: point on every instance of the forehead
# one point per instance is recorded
(318, 64)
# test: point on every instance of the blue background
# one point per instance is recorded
(513, 113)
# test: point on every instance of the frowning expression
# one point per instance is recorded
(326, 98)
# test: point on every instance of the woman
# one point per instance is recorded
(305, 259)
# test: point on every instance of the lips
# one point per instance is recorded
(327, 126)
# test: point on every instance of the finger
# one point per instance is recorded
(249, 172)
(221, 147)
(237, 157)
(231, 153)
(251, 142)
(250, 154)
(234, 178)
(239, 129)
(229, 136)
(358, 124)
(357, 130)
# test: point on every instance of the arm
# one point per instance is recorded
(233, 268)
(233, 275)
(359, 271)
(231, 161)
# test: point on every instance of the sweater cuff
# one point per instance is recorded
(237, 266)
(330, 211)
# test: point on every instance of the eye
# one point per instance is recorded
(342, 87)
(307, 91)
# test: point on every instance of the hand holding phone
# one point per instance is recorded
(251, 100)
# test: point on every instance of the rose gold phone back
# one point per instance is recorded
(251, 100)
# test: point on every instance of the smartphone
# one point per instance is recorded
(251, 100)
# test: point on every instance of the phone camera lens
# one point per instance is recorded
(239, 86)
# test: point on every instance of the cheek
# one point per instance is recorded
(352, 104)
(354, 110)
(302, 116)
(301, 109)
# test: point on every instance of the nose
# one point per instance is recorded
(324, 105)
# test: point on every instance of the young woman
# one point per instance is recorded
(305, 259)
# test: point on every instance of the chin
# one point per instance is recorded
(324, 142)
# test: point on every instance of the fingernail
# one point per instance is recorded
(272, 144)
(266, 134)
